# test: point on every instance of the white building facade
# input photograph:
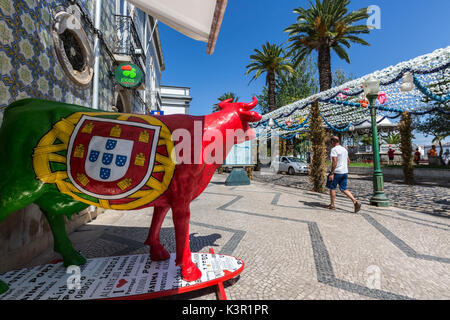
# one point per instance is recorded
(175, 100)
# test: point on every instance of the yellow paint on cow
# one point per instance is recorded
(46, 153)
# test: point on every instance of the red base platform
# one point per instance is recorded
(119, 277)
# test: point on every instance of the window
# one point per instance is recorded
(72, 48)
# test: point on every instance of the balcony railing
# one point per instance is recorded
(127, 42)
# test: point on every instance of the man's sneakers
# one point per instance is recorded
(357, 206)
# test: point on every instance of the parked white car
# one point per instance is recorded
(290, 165)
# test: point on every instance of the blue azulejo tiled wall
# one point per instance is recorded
(29, 66)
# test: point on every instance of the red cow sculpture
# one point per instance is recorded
(65, 157)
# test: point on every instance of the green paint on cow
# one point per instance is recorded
(25, 122)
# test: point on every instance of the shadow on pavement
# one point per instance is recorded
(100, 241)
(218, 182)
(323, 205)
(314, 204)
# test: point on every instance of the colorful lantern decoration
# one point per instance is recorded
(343, 96)
(364, 103)
(382, 97)
(289, 122)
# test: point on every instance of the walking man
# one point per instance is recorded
(339, 174)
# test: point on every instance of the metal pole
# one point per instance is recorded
(379, 198)
(95, 86)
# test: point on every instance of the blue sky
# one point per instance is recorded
(408, 29)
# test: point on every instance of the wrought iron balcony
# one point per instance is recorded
(126, 40)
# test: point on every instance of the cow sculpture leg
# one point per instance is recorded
(10, 201)
(3, 287)
(55, 206)
(62, 243)
(157, 251)
(181, 216)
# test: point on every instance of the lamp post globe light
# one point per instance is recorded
(371, 88)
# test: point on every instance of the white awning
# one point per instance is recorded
(197, 19)
(385, 123)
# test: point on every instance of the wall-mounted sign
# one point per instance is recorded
(157, 112)
(128, 75)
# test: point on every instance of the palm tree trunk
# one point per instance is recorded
(283, 147)
(271, 89)
(324, 61)
(317, 133)
(406, 147)
(441, 152)
(317, 137)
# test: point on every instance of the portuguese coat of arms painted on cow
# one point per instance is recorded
(120, 162)
(111, 159)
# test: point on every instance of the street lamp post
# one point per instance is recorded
(371, 87)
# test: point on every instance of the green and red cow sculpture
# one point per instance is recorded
(66, 157)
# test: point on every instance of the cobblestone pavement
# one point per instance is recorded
(292, 246)
(425, 197)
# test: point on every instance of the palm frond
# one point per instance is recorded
(341, 52)
(325, 23)
(355, 40)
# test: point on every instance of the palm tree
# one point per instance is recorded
(391, 138)
(405, 134)
(225, 96)
(365, 139)
(273, 61)
(438, 139)
(326, 25)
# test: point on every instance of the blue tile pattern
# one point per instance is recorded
(29, 67)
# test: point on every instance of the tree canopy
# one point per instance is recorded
(326, 25)
(273, 61)
(225, 96)
(302, 84)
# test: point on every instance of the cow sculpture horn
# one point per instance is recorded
(224, 102)
(251, 105)
(247, 114)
